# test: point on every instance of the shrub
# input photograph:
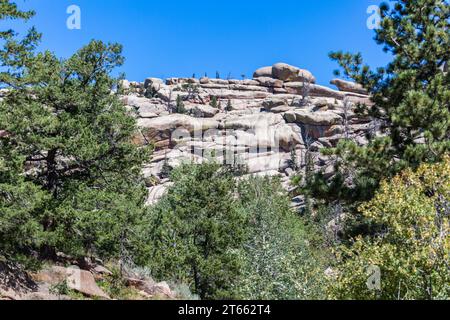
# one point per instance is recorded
(229, 106)
(214, 102)
(278, 261)
(180, 108)
(412, 245)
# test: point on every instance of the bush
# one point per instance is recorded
(279, 262)
(179, 107)
(412, 246)
(214, 103)
(20, 230)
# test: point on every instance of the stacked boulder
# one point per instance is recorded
(266, 124)
(285, 73)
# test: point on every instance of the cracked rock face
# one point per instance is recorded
(267, 124)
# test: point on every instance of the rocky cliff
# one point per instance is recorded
(266, 125)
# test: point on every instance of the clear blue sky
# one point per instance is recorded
(164, 38)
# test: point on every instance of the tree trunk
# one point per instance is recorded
(52, 175)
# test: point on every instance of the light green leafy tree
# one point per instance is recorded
(412, 248)
(411, 100)
(279, 261)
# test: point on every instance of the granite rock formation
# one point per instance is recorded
(267, 124)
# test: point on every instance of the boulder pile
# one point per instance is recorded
(56, 282)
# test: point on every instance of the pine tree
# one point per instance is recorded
(229, 106)
(69, 137)
(166, 169)
(214, 103)
(278, 261)
(20, 200)
(179, 108)
(411, 99)
(196, 230)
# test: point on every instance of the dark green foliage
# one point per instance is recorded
(20, 200)
(214, 102)
(191, 89)
(9, 10)
(413, 250)
(411, 107)
(196, 231)
(179, 108)
(165, 170)
(71, 178)
(229, 106)
(20, 207)
(15, 53)
(411, 98)
(293, 161)
(150, 92)
(232, 241)
(235, 164)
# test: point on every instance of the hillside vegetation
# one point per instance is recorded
(73, 188)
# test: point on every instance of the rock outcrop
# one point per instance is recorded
(263, 72)
(55, 282)
(348, 86)
(84, 282)
(266, 124)
(288, 73)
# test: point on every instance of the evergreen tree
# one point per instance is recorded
(166, 169)
(214, 103)
(229, 106)
(20, 200)
(69, 140)
(179, 108)
(196, 230)
(15, 53)
(411, 99)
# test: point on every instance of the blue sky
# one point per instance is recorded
(180, 38)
